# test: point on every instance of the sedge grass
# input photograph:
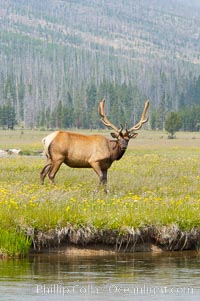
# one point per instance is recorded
(152, 185)
(13, 243)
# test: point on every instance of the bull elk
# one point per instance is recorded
(88, 151)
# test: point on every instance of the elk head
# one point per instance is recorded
(123, 137)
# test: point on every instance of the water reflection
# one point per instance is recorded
(168, 276)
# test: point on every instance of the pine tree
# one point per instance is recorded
(173, 123)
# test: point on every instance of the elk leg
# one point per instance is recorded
(54, 169)
(104, 180)
(102, 175)
(44, 172)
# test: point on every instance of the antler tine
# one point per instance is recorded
(104, 119)
(121, 128)
(143, 119)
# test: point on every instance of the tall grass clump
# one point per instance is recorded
(13, 243)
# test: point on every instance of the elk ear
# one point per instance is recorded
(114, 135)
(134, 135)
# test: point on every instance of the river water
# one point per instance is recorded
(140, 276)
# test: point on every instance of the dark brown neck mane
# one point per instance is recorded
(116, 151)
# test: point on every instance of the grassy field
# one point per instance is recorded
(157, 182)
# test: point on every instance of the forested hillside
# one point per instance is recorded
(58, 58)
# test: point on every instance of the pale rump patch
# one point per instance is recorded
(47, 141)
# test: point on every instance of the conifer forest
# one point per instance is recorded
(59, 58)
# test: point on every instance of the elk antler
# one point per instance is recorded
(143, 119)
(105, 120)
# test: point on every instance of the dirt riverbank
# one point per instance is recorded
(88, 240)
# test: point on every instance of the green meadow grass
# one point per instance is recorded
(156, 183)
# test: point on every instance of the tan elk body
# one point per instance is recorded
(87, 151)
